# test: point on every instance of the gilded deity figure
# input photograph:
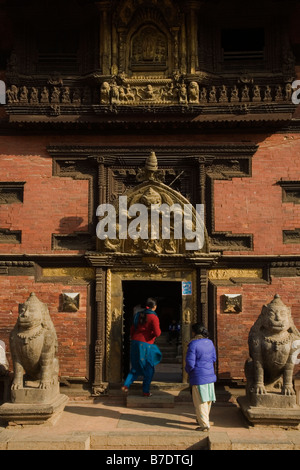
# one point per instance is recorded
(148, 47)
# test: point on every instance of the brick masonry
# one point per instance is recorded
(233, 329)
(254, 205)
(45, 204)
(243, 205)
(60, 205)
(71, 327)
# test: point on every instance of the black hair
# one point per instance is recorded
(150, 304)
(199, 329)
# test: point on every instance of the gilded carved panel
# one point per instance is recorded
(149, 49)
(166, 228)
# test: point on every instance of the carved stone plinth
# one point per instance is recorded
(272, 400)
(22, 414)
(33, 395)
(269, 412)
(33, 405)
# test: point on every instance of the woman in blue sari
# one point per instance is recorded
(144, 354)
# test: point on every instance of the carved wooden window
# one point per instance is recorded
(243, 45)
(291, 236)
(290, 191)
(149, 49)
(296, 52)
(10, 236)
(57, 50)
(11, 192)
(4, 56)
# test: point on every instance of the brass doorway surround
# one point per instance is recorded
(153, 258)
(114, 312)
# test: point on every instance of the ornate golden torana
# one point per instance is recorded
(153, 192)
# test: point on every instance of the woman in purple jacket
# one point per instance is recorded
(200, 359)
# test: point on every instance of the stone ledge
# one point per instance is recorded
(74, 442)
(219, 441)
(245, 444)
(151, 440)
(154, 440)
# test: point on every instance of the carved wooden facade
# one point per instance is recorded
(102, 84)
(172, 58)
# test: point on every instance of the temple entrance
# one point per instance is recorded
(160, 264)
(176, 293)
(168, 295)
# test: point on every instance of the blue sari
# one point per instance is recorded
(143, 354)
(143, 357)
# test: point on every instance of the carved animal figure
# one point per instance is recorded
(271, 350)
(33, 344)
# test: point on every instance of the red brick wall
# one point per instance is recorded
(233, 329)
(243, 205)
(254, 205)
(71, 328)
(47, 201)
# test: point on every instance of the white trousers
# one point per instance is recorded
(202, 409)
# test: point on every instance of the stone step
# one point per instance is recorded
(222, 441)
(111, 440)
(167, 347)
(150, 440)
(157, 400)
(171, 360)
(75, 441)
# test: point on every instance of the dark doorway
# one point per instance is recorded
(169, 307)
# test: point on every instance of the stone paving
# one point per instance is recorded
(109, 424)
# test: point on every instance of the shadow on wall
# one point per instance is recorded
(71, 224)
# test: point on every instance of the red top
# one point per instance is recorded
(147, 332)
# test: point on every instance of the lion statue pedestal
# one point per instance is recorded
(270, 396)
(35, 395)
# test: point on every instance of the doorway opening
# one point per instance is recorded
(168, 295)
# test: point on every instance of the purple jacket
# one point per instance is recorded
(200, 359)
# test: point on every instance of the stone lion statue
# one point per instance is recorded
(33, 345)
(272, 350)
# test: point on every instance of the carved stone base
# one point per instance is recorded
(271, 416)
(32, 405)
(272, 400)
(100, 389)
(22, 414)
(32, 394)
